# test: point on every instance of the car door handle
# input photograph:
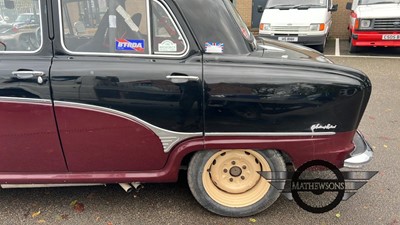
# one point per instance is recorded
(24, 75)
(180, 79)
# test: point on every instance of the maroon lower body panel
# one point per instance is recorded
(97, 141)
(333, 148)
(28, 138)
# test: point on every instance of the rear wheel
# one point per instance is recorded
(228, 183)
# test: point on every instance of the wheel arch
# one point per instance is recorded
(295, 150)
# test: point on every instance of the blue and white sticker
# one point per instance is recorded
(214, 47)
(129, 45)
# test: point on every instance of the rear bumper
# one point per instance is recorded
(371, 38)
(304, 40)
(362, 153)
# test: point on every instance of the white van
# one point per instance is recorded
(306, 22)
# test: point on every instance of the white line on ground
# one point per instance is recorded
(337, 47)
(364, 56)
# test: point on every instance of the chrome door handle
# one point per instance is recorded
(24, 75)
(182, 79)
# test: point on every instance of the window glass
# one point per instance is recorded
(20, 26)
(105, 26)
(120, 26)
(166, 36)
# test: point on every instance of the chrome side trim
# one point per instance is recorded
(149, 27)
(168, 141)
(167, 138)
(270, 134)
(26, 100)
(12, 186)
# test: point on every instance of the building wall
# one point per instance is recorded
(340, 18)
(245, 9)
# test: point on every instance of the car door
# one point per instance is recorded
(28, 131)
(127, 84)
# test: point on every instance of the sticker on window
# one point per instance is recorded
(112, 21)
(129, 45)
(167, 46)
(214, 47)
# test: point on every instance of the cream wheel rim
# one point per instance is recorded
(231, 177)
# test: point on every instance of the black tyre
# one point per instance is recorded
(353, 49)
(321, 48)
(228, 183)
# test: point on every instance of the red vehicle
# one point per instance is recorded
(374, 23)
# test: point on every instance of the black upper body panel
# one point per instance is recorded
(272, 87)
(253, 94)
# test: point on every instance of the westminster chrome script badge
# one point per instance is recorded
(322, 127)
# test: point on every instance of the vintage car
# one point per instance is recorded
(132, 91)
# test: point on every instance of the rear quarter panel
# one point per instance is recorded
(259, 95)
(276, 104)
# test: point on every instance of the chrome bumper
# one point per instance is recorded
(362, 153)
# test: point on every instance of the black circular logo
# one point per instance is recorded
(318, 186)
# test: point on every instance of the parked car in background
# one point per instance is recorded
(306, 22)
(155, 86)
(22, 33)
(26, 20)
(374, 23)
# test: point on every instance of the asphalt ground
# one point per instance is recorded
(378, 202)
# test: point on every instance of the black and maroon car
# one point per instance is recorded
(131, 91)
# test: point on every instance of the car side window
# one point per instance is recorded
(167, 38)
(20, 28)
(120, 27)
(100, 26)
